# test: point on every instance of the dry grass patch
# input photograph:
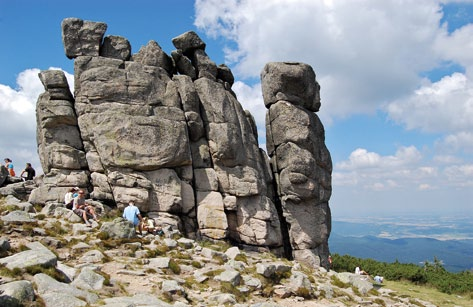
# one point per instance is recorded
(406, 289)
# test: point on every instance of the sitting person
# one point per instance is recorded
(84, 210)
(9, 166)
(148, 225)
(378, 279)
(358, 271)
(69, 197)
(30, 172)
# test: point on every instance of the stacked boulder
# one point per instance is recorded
(301, 162)
(164, 131)
(60, 146)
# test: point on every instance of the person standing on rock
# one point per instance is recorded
(82, 209)
(133, 214)
(30, 172)
(9, 166)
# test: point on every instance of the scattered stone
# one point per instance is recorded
(38, 256)
(48, 287)
(16, 293)
(17, 217)
(88, 279)
(119, 229)
(93, 256)
(230, 276)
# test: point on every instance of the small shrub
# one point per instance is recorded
(219, 246)
(174, 267)
(179, 255)
(303, 292)
(28, 229)
(416, 302)
(196, 264)
(56, 229)
(4, 271)
(10, 208)
(150, 271)
(40, 216)
(227, 287)
(103, 235)
(219, 259)
(338, 283)
(160, 250)
(380, 302)
(241, 257)
(373, 292)
(267, 291)
(38, 207)
(356, 291)
(214, 272)
(51, 271)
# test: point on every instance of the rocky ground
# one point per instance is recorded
(49, 258)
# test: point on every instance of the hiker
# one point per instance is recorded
(148, 225)
(30, 172)
(378, 279)
(84, 210)
(69, 197)
(9, 166)
(132, 214)
(358, 271)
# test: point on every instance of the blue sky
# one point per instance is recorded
(396, 82)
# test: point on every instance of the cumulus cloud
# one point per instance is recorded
(362, 159)
(372, 171)
(370, 57)
(18, 124)
(443, 106)
(364, 52)
(458, 142)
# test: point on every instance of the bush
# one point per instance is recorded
(431, 274)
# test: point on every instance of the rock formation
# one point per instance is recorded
(301, 162)
(169, 133)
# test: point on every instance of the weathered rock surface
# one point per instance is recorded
(169, 133)
(300, 160)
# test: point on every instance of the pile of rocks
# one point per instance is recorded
(49, 258)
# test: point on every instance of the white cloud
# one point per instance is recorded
(362, 159)
(461, 141)
(372, 171)
(459, 175)
(18, 124)
(369, 56)
(443, 106)
(364, 53)
(251, 98)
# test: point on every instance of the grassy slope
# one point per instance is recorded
(406, 289)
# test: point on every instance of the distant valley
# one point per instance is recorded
(413, 239)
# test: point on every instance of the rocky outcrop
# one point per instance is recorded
(300, 160)
(169, 133)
